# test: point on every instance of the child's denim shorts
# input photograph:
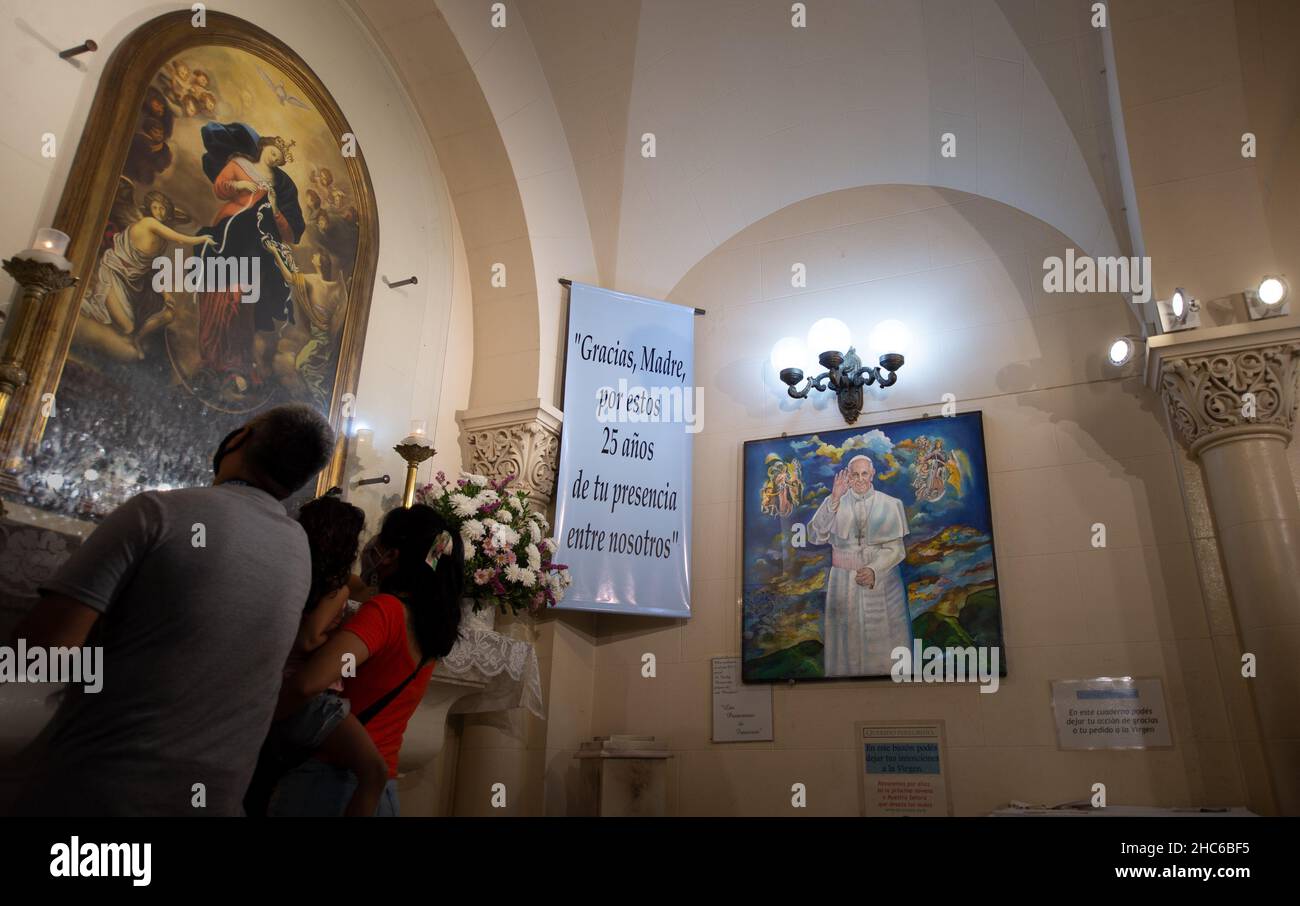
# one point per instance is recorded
(313, 722)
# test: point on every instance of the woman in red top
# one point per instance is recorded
(393, 640)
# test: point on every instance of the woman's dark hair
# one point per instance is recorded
(431, 595)
(333, 530)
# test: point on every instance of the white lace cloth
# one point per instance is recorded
(508, 666)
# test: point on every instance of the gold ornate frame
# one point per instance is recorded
(88, 197)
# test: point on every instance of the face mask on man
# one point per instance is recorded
(226, 447)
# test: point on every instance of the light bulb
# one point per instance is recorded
(1272, 290)
(1178, 304)
(789, 352)
(1121, 350)
(828, 334)
(889, 336)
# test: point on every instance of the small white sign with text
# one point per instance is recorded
(740, 713)
(1110, 713)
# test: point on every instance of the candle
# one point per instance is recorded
(365, 437)
(417, 427)
(48, 240)
(49, 246)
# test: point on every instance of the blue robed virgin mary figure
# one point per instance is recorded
(260, 217)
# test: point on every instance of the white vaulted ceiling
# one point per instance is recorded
(538, 126)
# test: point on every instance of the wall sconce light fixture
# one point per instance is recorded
(844, 373)
(39, 271)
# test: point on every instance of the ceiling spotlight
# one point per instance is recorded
(1121, 349)
(1181, 312)
(1269, 299)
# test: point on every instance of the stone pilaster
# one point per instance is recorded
(521, 439)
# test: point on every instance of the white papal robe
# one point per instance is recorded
(863, 625)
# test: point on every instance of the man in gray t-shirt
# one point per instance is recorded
(195, 596)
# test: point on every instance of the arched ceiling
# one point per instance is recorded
(538, 126)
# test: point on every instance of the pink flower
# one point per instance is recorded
(482, 576)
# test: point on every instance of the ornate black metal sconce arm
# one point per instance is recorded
(846, 376)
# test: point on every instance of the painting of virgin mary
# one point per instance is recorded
(259, 216)
(209, 296)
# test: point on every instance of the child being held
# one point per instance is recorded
(324, 725)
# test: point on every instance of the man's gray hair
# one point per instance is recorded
(866, 459)
(288, 445)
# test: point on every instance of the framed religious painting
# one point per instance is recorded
(224, 237)
(868, 552)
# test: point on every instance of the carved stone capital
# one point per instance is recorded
(520, 439)
(1218, 395)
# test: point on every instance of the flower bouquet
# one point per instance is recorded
(508, 558)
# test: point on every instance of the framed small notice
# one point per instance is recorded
(740, 713)
(902, 768)
(1111, 713)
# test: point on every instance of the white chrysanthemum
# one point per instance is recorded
(472, 530)
(470, 550)
(525, 577)
(504, 535)
(505, 515)
(471, 478)
(534, 557)
(541, 523)
(462, 505)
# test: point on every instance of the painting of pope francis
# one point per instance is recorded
(866, 604)
(886, 538)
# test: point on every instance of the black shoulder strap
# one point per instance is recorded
(367, 715)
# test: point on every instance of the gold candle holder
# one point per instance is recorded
(415, 450)
(38, 279)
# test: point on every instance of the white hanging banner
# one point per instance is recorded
(623, 496)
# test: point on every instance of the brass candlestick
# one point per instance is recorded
(414, 450)
(38, 279)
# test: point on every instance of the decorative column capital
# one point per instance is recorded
(520, 439)
(1219, 388)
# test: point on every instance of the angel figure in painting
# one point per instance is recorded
(784, 487)
(260, 209)
(122, 302)
(321, 299)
